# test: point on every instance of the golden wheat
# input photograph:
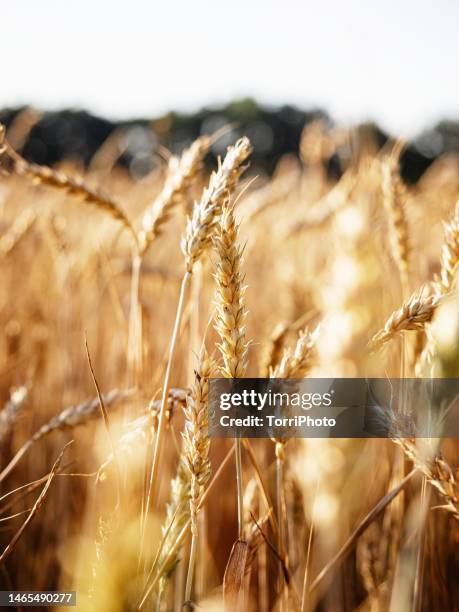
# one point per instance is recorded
(394, 196)
(181, 172)
(414, 314)
(222, 183)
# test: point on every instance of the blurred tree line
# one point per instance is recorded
(50, 137)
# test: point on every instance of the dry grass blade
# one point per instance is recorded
(254, 537)
(233, 579)
(36, 507)
(414, 314)
(263, 489)
(352, 539)
(106, 420)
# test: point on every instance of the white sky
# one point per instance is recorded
(391, 60)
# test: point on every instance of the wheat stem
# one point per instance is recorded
(197, 236)
(153, 482)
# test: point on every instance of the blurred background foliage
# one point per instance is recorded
(76, 135)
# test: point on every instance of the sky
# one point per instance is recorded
(394, 61)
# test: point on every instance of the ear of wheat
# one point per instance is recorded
(230, 306)
(442, 284)
(222, 183)
(437, 472)
(181, 173)
(196, 450)
(74, 416)
(70, 417)
(297, 363)
(195, 436)
(273, 350)
(414, 314)
(394, 197)
(449, 260)
(74, 186)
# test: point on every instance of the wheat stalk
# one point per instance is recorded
(414, 314)
(196, 451)
(197, 237)
(181, 173)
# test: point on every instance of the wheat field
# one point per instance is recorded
(120, 299)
